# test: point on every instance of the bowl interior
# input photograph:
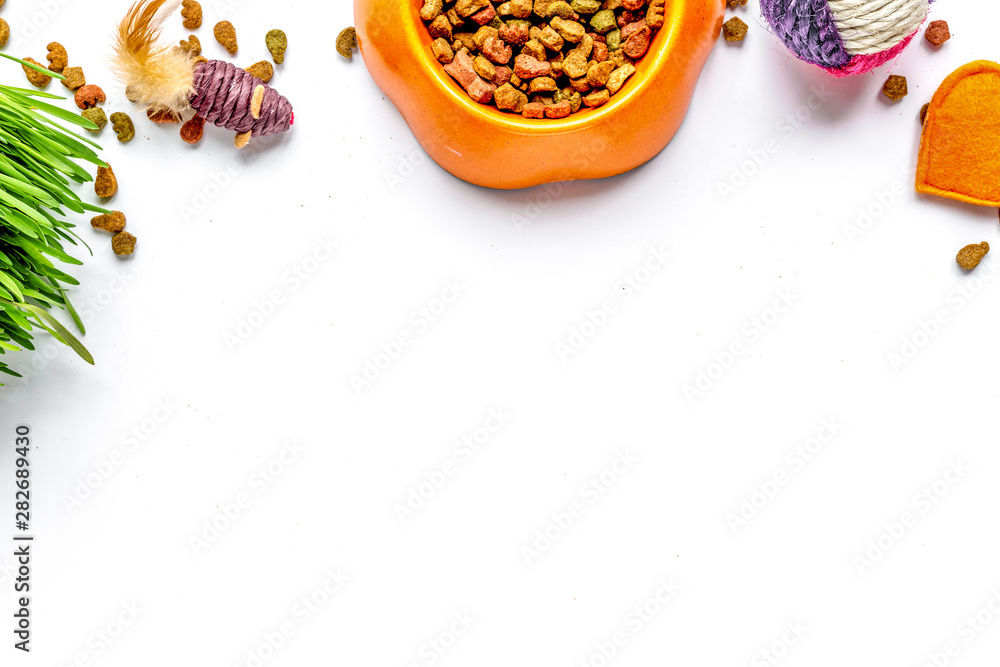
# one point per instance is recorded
(646, 67)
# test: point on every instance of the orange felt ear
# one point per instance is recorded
(960, 148)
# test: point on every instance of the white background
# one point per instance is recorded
(351, 174)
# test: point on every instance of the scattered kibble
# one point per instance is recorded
(74, 78)
(4, 33)
(347, 41)
(89, 96)
(895, 87)
(192, 45)
(923, 112)
(734, 30)
(113, 222)
(191, 13)
(123, 243)
(123, 126)
(970, 256)
(35, 78)
(106, 183)
(541, 58)
(162, 116)
(225, 34)
(262, 70)
(96, 116)
(937, 33)
(277, 43)
(193, 130)
(733, 3)
(57, 57)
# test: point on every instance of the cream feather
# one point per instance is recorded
(155, 75)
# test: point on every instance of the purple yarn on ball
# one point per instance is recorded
(806, 27)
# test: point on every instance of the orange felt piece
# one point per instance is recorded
(960, 149)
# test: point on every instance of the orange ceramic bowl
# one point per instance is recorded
(483, 145)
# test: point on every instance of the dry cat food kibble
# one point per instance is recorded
(923, 112)
(123, 243)
(35, 78)
(733, 3)
(895, 87)
(96, 116)
(225, 34)
(162, 117)
(347, 41)
(937, 33)
(106, 183)
(89, 96)
(123, 126)
(277, 44)
(113, 222)
(4, 33)
(262, 70)
(970, 256)
(541, 58)
(74, 78)
(58, 58)
(191, 14)
(192, 45)
(734, 30)
(193, 130)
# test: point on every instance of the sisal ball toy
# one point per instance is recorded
(845, 37)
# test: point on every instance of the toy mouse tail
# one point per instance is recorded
(155, 75)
